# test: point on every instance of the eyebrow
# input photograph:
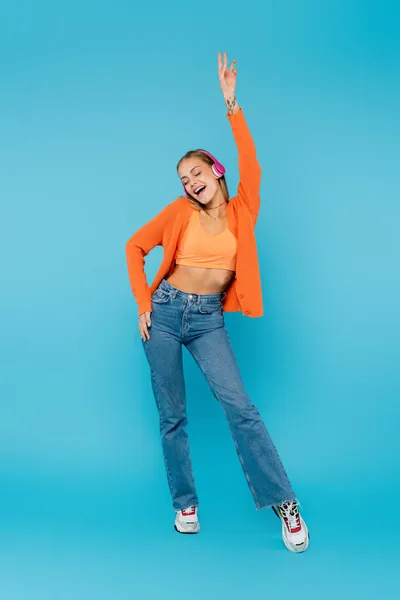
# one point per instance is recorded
(195, 167)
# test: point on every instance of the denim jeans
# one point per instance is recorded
(197, 322)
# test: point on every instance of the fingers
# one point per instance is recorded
(144, 323)
(223, 66)
(144, 334)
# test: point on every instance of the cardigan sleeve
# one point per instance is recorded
(249, 167)
(137, 247)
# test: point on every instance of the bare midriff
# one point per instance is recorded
(198, 280)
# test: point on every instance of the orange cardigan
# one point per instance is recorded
(165, 229)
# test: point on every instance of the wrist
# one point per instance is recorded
(231, 103)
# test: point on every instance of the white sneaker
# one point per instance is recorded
(187, 521)
(294, 530)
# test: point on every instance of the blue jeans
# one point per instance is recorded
(197, 322)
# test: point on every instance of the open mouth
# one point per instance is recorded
(198, 192)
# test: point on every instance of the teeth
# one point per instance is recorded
(203, 187)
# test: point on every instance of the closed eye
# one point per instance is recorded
(187, 180)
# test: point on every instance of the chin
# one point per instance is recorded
(207, 200)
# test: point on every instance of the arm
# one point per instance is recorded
(137, 247)
(249, 167)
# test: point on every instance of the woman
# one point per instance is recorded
(210, 266)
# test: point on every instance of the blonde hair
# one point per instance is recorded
(222, 181)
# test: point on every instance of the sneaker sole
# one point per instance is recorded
(299, 547)
(184, 532)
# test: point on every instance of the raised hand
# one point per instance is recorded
(227, 80)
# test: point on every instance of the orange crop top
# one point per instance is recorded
(198, 248)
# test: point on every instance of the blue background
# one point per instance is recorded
(98, 101)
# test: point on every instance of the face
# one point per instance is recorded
(198, 179)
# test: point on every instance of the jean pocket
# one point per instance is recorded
(207, 308)
(160, 297)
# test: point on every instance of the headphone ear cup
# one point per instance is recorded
(216, 171)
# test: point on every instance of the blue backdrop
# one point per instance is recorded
(98, 101)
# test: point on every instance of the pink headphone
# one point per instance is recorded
(217, 168)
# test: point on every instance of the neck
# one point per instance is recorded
(217, 200)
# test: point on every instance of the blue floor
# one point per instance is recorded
(120, 543)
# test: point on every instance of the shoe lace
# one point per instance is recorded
(291, 513)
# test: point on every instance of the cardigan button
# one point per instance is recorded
(240, 295)
(246, 312)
